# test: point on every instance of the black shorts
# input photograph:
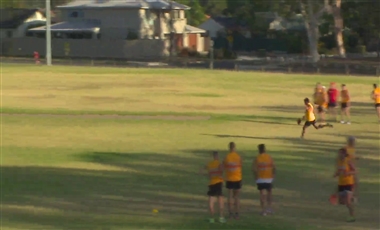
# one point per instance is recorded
(345, 188)
(235, 185)
(343, 105)
(320, 109)
(215, 189)
(264, 186)
(332, 104)
(377, 105)
(308, 123)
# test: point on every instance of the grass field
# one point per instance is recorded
(68, 161)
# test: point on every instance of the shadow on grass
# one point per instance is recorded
(236, 136)
(121, 189)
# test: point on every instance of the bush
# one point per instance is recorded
(188, 52)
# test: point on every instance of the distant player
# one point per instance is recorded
(351, 154)
(316, 95)
(333, 94)
(264, 172)
(215, 172)
(345, 105)
(310, 118)
(345, 172)
(376, 97)
(233, 168)
(322, 102)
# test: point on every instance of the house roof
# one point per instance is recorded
(229, 22)
(70, 26)
(193, 29)
(132, 4)
(13, 18)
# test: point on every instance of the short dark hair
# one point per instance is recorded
(261, 148)
(231, 145)
(375, 86)
(343, 85)
(306, 100)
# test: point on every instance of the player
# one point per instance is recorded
(333, 94)
(310, 118)
(376, 98)
(345, 105)
(345, 172)
(351, 152)
(316, 94)
(233, 168)
(322, 102)
(215, 172)
(264, 172)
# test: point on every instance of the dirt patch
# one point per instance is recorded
(122, 117)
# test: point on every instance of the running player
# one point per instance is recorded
(233, 168)
(345, 105)
(345, 171)
(351, 152)
(376, 98)
(215, 172)
(264, 172)
(333, 94)
(310, 118)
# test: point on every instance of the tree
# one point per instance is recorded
(196, 15)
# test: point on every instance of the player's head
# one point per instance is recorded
(323, 88)
(351, 141)
(232, 146)
(306, 101)
(261, 148)
(374, 86)
(332, 85)
(215, 155)
(342, 153)
(344, 87)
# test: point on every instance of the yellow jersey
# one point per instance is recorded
(264, 166)
(232, 165)
(344, 96)
(321, 98)
(377, 95)
(214, 171)
(351, 153)
(309, 114)
(343, 167)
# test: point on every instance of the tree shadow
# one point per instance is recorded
(236, 136)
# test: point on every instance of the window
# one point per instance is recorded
(76, 14)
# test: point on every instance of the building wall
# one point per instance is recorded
(37, 19)
(116, 23)
(143, 48)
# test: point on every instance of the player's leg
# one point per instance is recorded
(342, 112)
(350, 206)
(230, 199)
(269, 208)
(261, 189)
(307, 124)
(221, 203)
(211, 204)
(237, 202)
(221, 209)
(348, 115)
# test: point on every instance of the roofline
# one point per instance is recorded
(121, 7)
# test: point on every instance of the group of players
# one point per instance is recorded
(264, 172)
(264, 169)
(326, 101)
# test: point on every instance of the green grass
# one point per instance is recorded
(61, 171)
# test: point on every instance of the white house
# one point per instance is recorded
(15, 23)
(125, 19)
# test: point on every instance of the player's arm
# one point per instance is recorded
(352, 169)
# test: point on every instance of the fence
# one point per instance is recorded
(326, 66)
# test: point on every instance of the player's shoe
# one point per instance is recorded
(348, 123)
(222, 220)
(269, 211)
